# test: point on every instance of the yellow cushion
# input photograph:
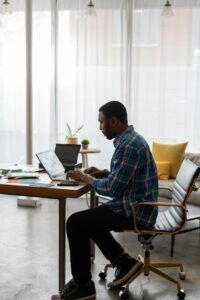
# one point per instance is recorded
(163, 169)
(171, 153)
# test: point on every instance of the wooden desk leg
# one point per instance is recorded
(61, 241)
(93, 203)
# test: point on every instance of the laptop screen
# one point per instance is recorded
(51, 163)
(67, 153)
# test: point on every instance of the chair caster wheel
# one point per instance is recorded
(102, 275)
(123, 295)
(181, 295)
(182, 275)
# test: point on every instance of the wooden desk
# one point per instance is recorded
(14, 187)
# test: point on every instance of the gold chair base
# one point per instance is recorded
(148, 267)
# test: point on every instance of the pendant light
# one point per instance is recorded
(90, 9)
(167, 9)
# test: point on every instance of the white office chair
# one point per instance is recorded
(169, 222)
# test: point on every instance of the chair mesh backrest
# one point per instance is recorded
(174, 218)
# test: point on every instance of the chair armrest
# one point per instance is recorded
(195, 188)
(152, 204)
(159, 204)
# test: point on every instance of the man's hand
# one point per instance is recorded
(96, 172)
(79, 175)
(91, 170)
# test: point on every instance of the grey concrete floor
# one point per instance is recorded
(29, 256)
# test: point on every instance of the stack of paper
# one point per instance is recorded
(6, 170)
(19, 175)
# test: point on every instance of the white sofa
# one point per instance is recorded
(194, 196)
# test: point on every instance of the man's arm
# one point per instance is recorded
(88, 175)
(96, 172)
(122, 172)
(79, 175)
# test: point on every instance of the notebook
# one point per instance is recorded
(52, 165)
(68, 155)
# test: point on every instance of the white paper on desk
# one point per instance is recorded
(20, 175)
(7, 169)
(30, 169)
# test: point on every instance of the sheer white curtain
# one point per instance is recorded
(165, 73)
(128, 52)
(92, 67)
(13, 80)
(43, 82)
(12, 85)
(132, 54)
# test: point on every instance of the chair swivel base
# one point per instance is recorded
(146, 268)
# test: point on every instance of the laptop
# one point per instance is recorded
(52, 165)
(68, 155)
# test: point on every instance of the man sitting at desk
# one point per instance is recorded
(132, 179)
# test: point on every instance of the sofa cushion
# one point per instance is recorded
(163, 169)
(165, 187)
(171, 153)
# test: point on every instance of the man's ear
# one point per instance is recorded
(113, 121)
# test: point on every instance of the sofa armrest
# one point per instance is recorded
(165, 188)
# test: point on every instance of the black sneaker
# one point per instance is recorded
(125, 268)
(73, 292)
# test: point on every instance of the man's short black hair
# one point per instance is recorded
(115, 109)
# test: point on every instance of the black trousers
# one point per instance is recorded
(95, 223)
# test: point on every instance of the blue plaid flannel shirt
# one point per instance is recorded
(133, 178)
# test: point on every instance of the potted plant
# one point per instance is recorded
(85, 143)
(71, 136)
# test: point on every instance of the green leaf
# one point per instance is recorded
(78, 129)
(85, 142)
(69, 131)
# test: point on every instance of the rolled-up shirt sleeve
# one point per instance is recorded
(124, 165)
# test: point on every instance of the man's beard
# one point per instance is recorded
(110, 135)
